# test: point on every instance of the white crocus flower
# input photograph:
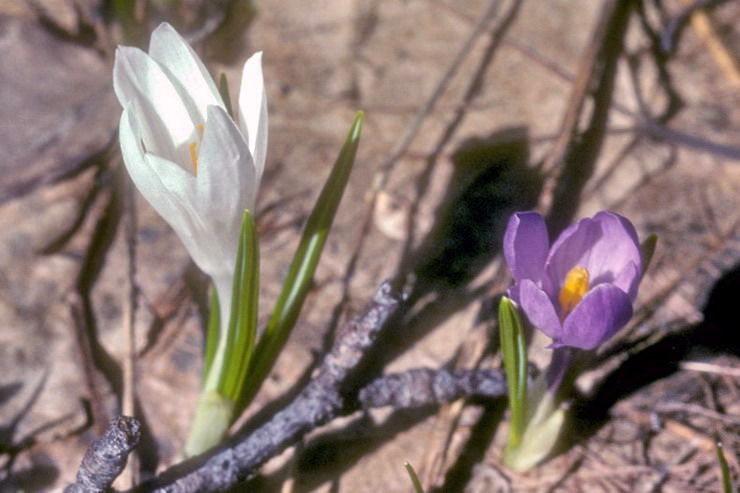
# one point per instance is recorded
(198, 168)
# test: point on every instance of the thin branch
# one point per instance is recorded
(399, 150)
(575, 153)
(128, 399)
(424, 387)
(215, 16)
(661, 132)
(473, 89)
(97, 362)
(426, 109)
(669, 38)
(582, 87)
(415, 388)
(329, 395)
(317, 404)
(711, 368)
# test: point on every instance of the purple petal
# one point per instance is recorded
(628, 280)
(600, 314)
(539, 310)
(526, 245)
(572, 248)
(513, 293)
(606, 246)
(614, 257)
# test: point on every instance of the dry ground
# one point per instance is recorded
(428, 205)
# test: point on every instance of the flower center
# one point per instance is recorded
(193, 146)
(574, 289)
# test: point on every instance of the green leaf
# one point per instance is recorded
(514, 351)
(242, 330)
(299, 278)
(223, 90)
(414, 478)
(647, 249)
(228, 353)
(724, 468)
(212, 332)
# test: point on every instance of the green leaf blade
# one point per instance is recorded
(414, 478)
(242, 330)
(647, 250)
(514, 352)
(223, 90)
(228, 350)
(213, 332)
(300, 275)
(724, 468)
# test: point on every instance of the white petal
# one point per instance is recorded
(155, 135)
(226, 180)
(185, 69)
(201, 234)
(225, 165)
(129, 136)
(158, 192)
(171, 191)
(195, 229)
(253, 110)
(224, 288)
(137, 78)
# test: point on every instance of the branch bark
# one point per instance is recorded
(425, 387)
(106, 457)
(331, 394)
(317, 404)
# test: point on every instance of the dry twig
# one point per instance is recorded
(106, 457)
(329, 395)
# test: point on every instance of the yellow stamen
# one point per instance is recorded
(193, 146)
(574, 288)
(194, 156)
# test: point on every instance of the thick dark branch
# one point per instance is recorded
(329, 395)
(106, 457)
(424, 387)
(319, 402)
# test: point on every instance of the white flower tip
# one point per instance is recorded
(165, 34)
(253, 65)
(125, 51)
(165, 26)
(125, 56)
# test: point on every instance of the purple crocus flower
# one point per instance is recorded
(580, 290)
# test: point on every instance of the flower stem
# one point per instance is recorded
(545, 418)
(560, 363)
